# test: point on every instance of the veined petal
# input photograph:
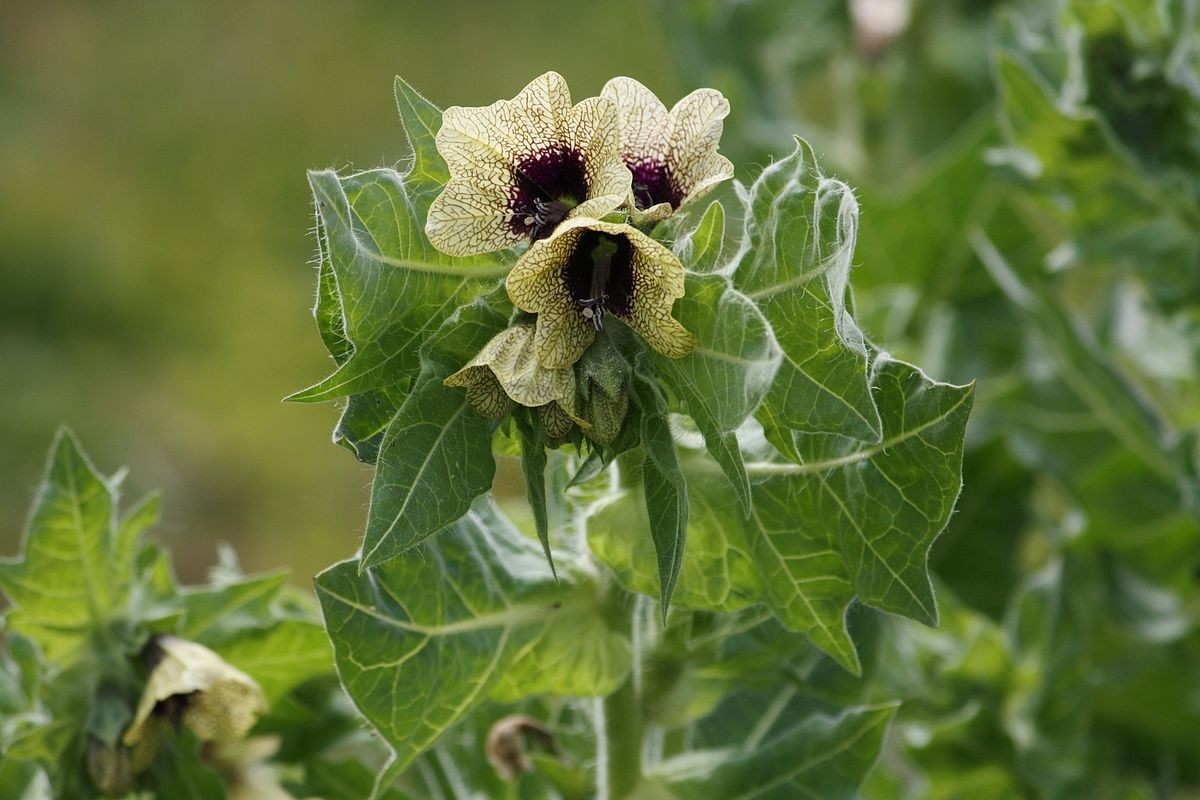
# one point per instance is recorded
(716, 169)
(562, 336)
(535, 284)
(589, 268)
(484, 392)
(595, 133)
(557, 421)
(642, 119)
(507, 370)
(540, 114)
(672, 155)
(697, 122)
(520, 167)
(469, 217)
(660, 282)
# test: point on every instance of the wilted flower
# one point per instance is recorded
(192, 683)
(519, 167)
(672, 155)
(587, 269)
(506, 371)
(510, 740)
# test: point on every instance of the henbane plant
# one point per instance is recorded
(725, 482)
(723, 474)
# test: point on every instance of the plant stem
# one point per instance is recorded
(621, 748)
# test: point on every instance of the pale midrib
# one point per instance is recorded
(804, 766)
(512, 616)
(770, 468)
(89, 579)
(420, 473)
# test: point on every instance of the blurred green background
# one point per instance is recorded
(155, 233)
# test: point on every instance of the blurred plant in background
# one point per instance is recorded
(1028, 177)
(153, 278)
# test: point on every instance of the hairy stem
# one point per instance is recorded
(621, 742)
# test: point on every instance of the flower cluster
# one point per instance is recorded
(580, 184)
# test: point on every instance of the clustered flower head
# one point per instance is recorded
(578, 185)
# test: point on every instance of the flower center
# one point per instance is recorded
(599, 276)
(549, 183)
(652, 184)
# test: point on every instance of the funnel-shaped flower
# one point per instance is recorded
(588, 269)
(519, 167)
(672, 155)
(190, 682)
(506, 371)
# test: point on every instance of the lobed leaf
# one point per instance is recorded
(69, 579)
(794, 263)
(419, 642)
(825, 757)
(382, 288)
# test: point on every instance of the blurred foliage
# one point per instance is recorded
(1028, 179)
(153, 251)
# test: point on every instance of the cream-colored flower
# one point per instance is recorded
(218, 702)
(587, 269)
(519, 167)
(506, 371)
(672, 155)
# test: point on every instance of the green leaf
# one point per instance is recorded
(181, 773)
(385, 288)
(214, 613)
(435, 459)
(700, 249)
(533, 466)
(822, 757)
(422, 120)
(854, 519)
(69, 577)
(280, 656)
(663, 487)
(730, 372)
(717, 573)
(794, 262)
(343, 780)
(1111, 398)
(23, 780)
(420, 642)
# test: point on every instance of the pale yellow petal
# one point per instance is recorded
(469, 218)
(655, 213)
(507, 370)
(523, 378)
(594, 134)
(477, 142)
(716, 169)
(562, 336)
(660, 282)
(656, 267)
(488, 398)
(642, 119)
(535, 284)
(541, 113)
(220, 703)
(696, 124)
